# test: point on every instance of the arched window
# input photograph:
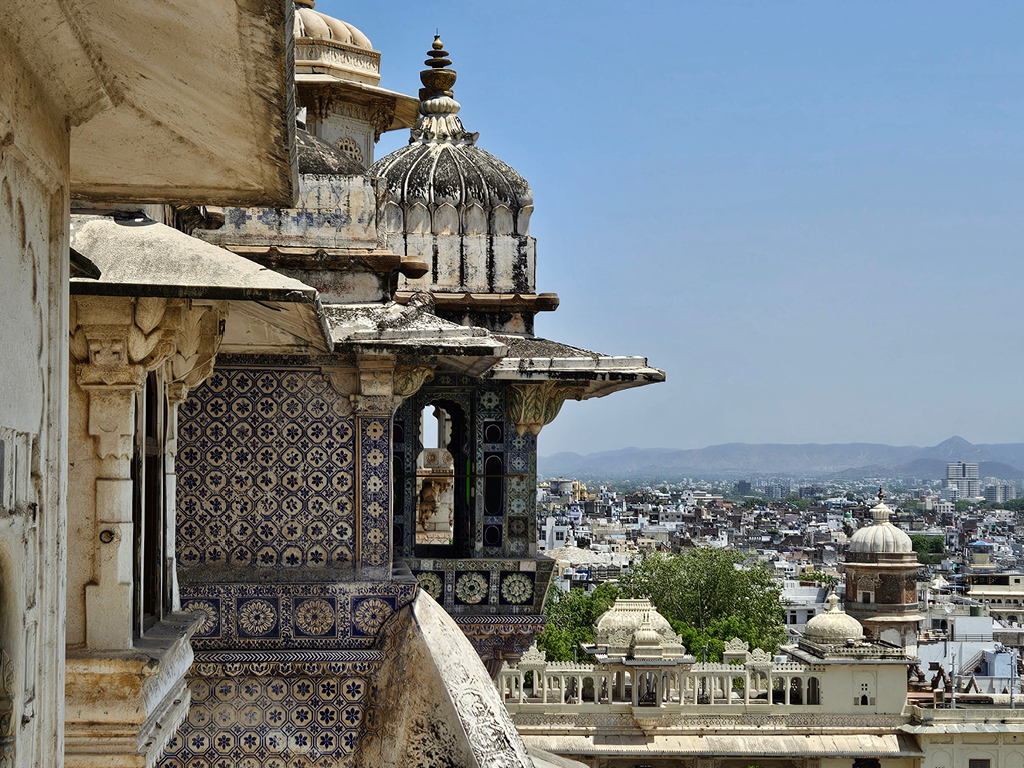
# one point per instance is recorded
(442, 481)
(813, 691)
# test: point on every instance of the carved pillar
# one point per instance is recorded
(116, 342)
(199, 336)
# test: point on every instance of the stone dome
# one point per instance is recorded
(883, 537)
(833, 627)
(442, 182)
(626, 617)
(319, 26)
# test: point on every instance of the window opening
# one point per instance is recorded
(151, 588)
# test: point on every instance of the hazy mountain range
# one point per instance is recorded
(829, 461)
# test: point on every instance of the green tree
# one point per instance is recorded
(802, 504)
(930, 549)
(570, 620)
(709, 597)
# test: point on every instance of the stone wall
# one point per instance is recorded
(34, 167)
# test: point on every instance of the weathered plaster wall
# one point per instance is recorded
(34, 167)
(332, 212)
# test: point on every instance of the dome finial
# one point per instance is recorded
(438, 107)
(881, 494)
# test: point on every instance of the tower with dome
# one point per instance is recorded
(881, 580)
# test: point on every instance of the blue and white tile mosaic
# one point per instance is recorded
(290, 710)
(295, 614)
(266, 472)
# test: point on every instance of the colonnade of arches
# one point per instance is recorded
(720, 684)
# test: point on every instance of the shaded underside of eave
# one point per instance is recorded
(203, 109)
(406, 107)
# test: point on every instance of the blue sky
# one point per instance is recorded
(808, 214)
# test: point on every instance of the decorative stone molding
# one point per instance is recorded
(116, 341)
(374, 386)
(533, 406)
(382, 114)
(122, 709)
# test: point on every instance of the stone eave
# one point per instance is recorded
(815, 660)
(136, 78)
(406, 107)
(601, 378)
(374, 260)
(489, 302)
(536, 359)
(720, 745)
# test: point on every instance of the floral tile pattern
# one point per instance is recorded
(266, 468)
(270, 616)
(277, 710)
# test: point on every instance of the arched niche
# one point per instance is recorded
(441, 510)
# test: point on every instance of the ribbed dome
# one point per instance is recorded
(883, 537)
(834, 626)
(628, 616)
(455, 185)
(311, 23)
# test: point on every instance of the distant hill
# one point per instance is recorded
(835, 460)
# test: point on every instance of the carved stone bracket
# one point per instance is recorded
(382, 113)
(409, 379)
(320, 106)
(200, 332)
(532, 406)
(374, 386)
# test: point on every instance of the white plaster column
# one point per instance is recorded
(116, 341)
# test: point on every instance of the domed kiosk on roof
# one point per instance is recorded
(337, 82)
(834, 626)
(635, 629)
(882, 537)
(463, 208)
(881, 579)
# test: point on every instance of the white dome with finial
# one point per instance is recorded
(442, 182)
(834, 626)
(883, 537)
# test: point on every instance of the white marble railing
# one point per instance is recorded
(789, 684)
